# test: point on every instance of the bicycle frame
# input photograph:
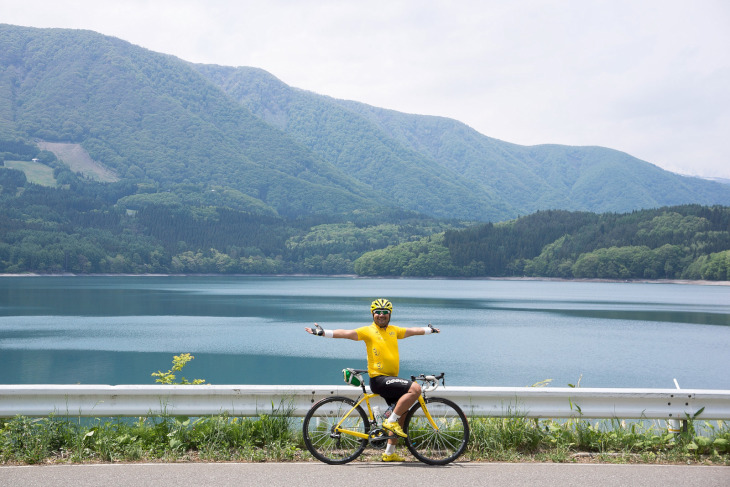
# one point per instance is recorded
(371, 415)
(435, 437)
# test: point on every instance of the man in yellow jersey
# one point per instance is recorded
(381, 340)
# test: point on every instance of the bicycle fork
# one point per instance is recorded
(422, 402)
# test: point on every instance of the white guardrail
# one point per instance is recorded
(252, 400)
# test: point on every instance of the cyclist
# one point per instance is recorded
(381, 339)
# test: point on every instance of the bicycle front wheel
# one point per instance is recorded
(441, 444)
(328, 444)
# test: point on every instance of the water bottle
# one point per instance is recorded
(388, 412)
(376, 412)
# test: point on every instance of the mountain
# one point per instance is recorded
(503, 179)
(170, 126)
(351, 142)
(151, 118)
(719, 180)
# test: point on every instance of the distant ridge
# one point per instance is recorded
(719, 180)
(268, 148)
(491, 179)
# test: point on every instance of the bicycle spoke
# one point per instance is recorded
(327, 443)
(439, 445)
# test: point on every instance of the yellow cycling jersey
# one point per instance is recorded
(382, 345)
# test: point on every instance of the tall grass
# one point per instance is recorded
(166, 438)
(277, 437)
(518, 438)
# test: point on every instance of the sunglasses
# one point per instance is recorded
(381, 312)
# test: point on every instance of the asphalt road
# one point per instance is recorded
(320, 475)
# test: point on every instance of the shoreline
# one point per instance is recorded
(355, 276)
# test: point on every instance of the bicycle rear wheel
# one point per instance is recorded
(328, 445)
(440, 445)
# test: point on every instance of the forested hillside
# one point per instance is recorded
(152, 119)
(217, 169)
(84, 229)
(393, 171)
(683, 242)
(442, 167)
(164, 123)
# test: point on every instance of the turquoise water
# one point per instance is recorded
(250, 330)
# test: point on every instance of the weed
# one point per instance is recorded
(276, 436)
(178, 362)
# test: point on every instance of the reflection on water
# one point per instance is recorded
(246, 330)
(73, 367)
(690, 317)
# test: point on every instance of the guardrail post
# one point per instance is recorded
(673, 425)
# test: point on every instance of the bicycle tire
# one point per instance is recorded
(437, 446)
(323, 442)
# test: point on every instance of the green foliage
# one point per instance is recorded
(502, 437)
(443, 168)
(333, 248)
(152, 118)
(17, 149)
(11, 180)
(688, 242)
(267, 436)
(276, 436)
(31, 440)
(158, 120)
(34, 172)
(125, 227)
(230, 170)
(424, 258)
(506, 439)
(178, 362)
(713, 267)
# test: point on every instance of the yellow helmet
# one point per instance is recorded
(381, 304)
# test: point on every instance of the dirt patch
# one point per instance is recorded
(79, 161)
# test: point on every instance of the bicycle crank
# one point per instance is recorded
(378, 438)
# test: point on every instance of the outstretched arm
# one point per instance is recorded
(349, 334)
(421, 330)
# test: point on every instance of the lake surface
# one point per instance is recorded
(250, 330)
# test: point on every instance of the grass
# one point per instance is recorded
(217, 438)
(523, 439)
(35, 172)
(277, 437)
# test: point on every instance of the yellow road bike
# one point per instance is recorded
(337, 430)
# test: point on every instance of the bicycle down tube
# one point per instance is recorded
(365, 398)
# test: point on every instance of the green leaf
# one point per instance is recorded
(721, 444)
(703, 442)
(698, 413)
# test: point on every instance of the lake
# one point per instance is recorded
(250, 330)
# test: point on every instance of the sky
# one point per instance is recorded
(647, 77)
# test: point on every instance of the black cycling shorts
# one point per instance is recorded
(390, 388)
